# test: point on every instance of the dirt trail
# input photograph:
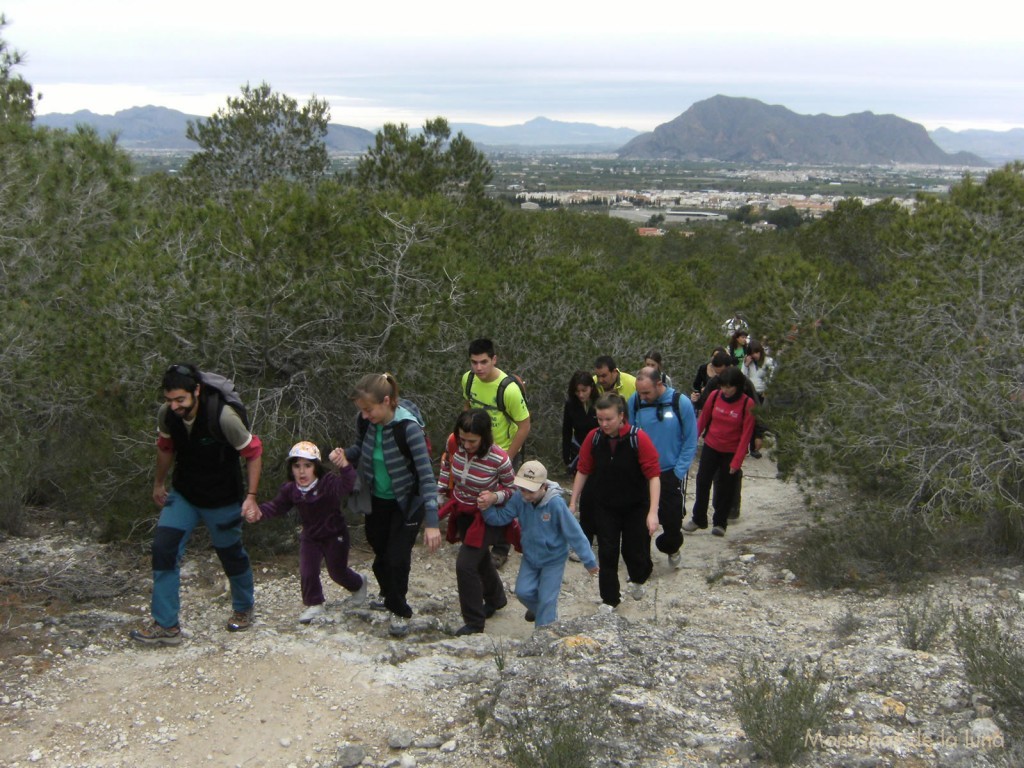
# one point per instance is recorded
(284, 694)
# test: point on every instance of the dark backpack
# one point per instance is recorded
(499, 395)
(220, 391)
(641, 404)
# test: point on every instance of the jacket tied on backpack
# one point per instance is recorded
(412, 478)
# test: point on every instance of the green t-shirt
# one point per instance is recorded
(382, 487)
(484, 394)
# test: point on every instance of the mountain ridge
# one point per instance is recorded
(156, 128)
(734, 129)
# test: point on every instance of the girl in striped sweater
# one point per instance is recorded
(478, 476)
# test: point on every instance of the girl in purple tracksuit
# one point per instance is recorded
(318, 496)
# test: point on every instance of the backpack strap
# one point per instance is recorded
(499, 398)
(401, 440)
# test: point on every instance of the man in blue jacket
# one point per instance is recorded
(669, 420)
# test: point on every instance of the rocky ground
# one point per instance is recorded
(652, 684)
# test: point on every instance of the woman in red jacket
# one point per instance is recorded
(727, 424)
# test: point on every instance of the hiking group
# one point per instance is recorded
(627, 442)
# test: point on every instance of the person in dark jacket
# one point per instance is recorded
(318, 496)
(202, 437)
(579, 419)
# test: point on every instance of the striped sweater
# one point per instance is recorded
(473, 475)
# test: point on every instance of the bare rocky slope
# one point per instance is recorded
(650, 685)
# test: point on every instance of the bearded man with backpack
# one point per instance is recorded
(202, 433)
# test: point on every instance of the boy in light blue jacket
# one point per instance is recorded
(548, 530)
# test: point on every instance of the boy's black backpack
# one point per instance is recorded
(499, 395)
(219, 391)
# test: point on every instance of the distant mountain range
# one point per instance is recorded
(542, 132)
(741, 130)
(995, 146)
(159, 128)
(721, 128)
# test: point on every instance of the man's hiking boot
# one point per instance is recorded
(154, 634)
(240, 621)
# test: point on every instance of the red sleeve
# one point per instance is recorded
(748, 433)
(253, 450)
(650, 463)
(586, 463)
(164, 444)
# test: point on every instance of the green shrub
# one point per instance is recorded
(847, 625)
(921, 623)
(778, 709)
(989, 645)
(552, 734)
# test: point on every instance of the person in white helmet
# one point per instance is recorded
(318, 495)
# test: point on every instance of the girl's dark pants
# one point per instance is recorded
(392, 536)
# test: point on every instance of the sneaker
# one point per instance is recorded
(378, 603)
(359, 596)
(307, 616)
(530, 616)
(676, 560)
(499, 559)
(154, 634)
(466, 629)
(636, 591)
(605, 608)
(240, 621)
(718, 531)
(689, 526)
(399, 626)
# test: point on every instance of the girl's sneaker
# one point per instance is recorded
(359, 596)
(307, 616)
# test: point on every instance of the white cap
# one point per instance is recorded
(531, 476)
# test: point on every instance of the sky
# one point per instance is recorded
(616, 64)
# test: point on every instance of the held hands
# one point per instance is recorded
(486, 500)
(338, 458)
(251, 510)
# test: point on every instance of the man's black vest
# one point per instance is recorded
(207, 471)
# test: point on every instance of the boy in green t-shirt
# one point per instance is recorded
(510, 418)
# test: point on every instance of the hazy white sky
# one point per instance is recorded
(612, 63)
